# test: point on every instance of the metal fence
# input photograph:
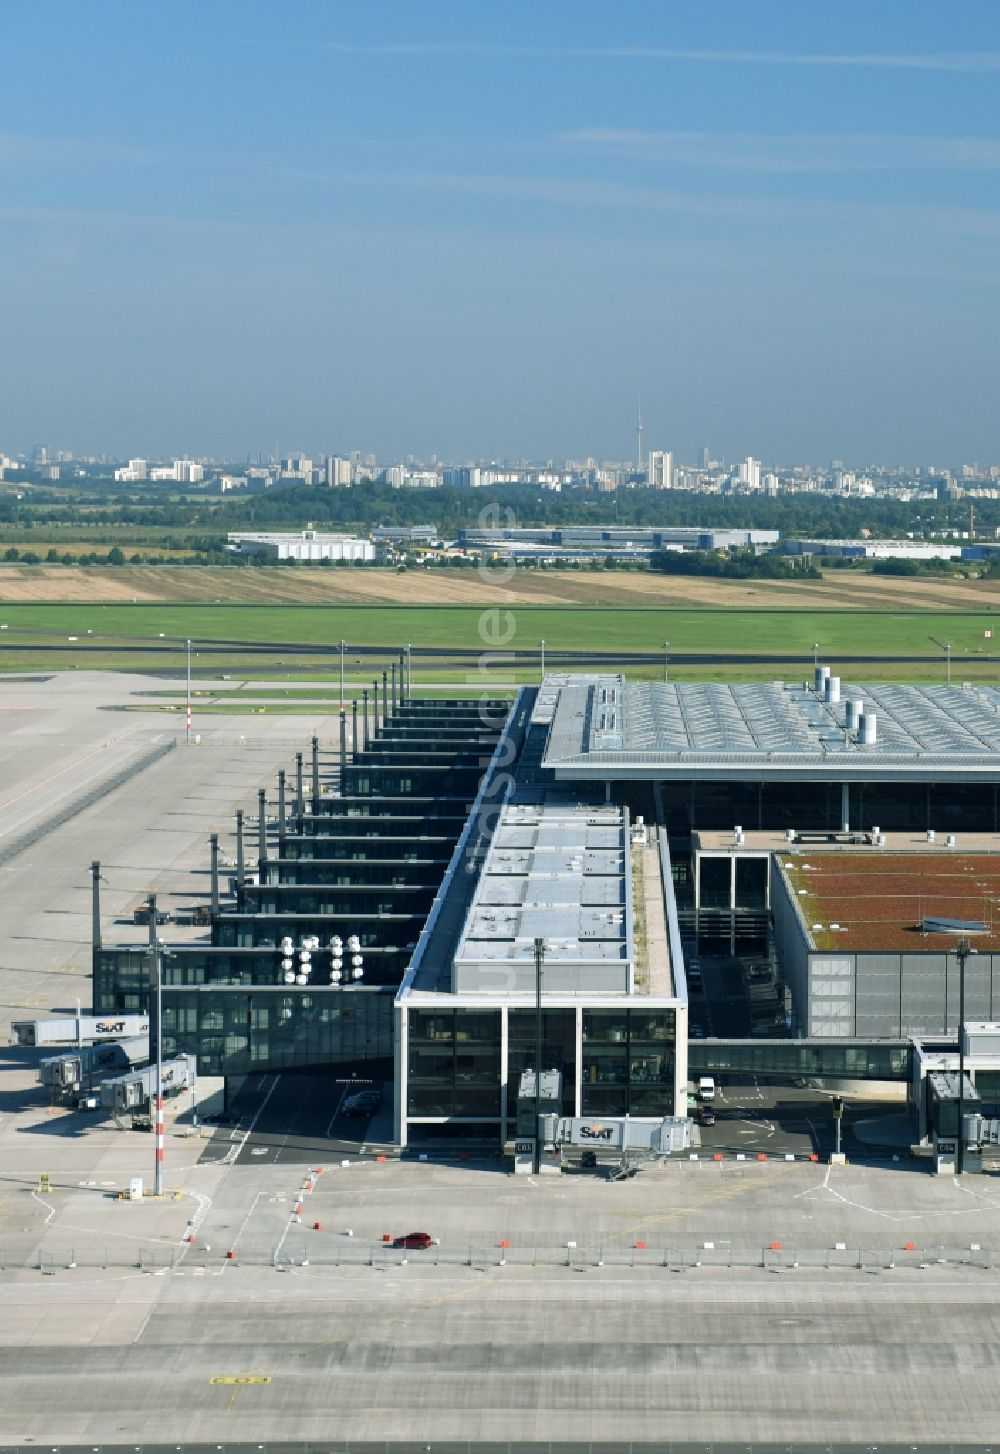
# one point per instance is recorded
(495, 1446)
(327, 1252)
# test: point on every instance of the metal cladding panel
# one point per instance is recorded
(517, 977)
(877, 994)
(982, 1037)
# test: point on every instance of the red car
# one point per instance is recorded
(414, 1241)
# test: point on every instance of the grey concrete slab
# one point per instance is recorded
(123, 1346)
(436, 1349)
(57, 737)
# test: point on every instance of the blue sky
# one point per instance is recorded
(485, 229)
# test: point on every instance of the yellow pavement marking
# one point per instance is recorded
(241, 1378)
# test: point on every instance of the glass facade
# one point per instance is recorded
(885, 1060)
(454, 1063)
(235, 1031)
(558, 1053)
(628, 1062)
(227, 1010)
(716, 884)
(972, 807)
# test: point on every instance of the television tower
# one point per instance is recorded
(638, 430)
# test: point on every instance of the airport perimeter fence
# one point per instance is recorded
(492, 1446)
(322, 1253)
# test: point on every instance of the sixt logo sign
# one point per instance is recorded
(596, 1133)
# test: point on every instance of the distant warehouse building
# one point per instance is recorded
(307, 545)
(604, 540)
(873, 549)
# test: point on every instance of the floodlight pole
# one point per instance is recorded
(539, 957)
(962, 952)
(155, 953)
(666, 662)
(815, 654)
(187, 730)
(541, 646)
(947, 655)
(240, 861)
(343, 648)
(213, 848)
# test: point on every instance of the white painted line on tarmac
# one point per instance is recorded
(343, 1097)
(51, 1208)
(253, 1208)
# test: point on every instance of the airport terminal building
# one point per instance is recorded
(531, 882)
(568, 939)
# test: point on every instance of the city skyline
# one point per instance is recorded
(466, 234)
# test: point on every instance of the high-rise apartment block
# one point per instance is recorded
(339, 471)
(750, 472)
(660, 470)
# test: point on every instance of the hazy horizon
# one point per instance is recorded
(474, 231)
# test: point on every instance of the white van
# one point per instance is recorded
(706, 1088)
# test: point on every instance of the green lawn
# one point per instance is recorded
(609, 629)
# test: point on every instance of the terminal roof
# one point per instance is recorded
(882, 902)
(606, 728)
(557, 873)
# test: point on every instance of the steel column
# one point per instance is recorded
(213, 845)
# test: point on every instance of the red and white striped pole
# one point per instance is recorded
(158, 1182)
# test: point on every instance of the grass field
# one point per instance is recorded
(716, 629)
(569, 628)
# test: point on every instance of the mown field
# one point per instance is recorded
(258, 641)
(451, 586)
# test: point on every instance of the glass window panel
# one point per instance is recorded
(603, 1100)
(432, 1025)
(650, 1100)
(609, 1025)
(477, 1101)
(651, 1026)
(484, 1066)
(431, 1064)
(605, 1067)
(430, 1100)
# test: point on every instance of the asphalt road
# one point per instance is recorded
(297, 1118)
(11, 648)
